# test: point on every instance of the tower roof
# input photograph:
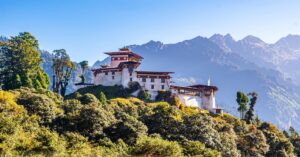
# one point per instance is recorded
(124, 51)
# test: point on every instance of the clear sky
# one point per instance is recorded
(86, 28)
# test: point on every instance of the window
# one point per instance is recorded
(106, 73)
(152, 86)
(130, 74)
(162, 86)
(152, 79)
(163, 80)
(113, 73)
(113, 77)
(130, 79)
(144, 79)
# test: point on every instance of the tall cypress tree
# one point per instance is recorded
(20, 63)
(242, 101)
(250, 114)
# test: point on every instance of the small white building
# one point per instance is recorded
(124, 68)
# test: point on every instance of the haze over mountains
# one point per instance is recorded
(248, 65)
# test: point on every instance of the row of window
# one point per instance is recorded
(152, 86)
(113, 77)
(162, 87)
(119, 58)
(152, 80)
(113, 73)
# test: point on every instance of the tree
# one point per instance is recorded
(129, 129)
(102, 98)
(62, 70)
(20, 63)
(84, 66)
(293, 132)
(250, 114)
(93, 119)
(242, 101)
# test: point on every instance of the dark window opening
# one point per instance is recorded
(113, 77)
(130, 79)
(113, 73)
(106, 73)
(143, 79)
(162, 87)
(152, 86)
(163, 80)
(152, 79)
(130, 74)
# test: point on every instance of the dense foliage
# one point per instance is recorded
(20, 63)
(38, 122)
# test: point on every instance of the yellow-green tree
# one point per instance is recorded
(62, 70)
(20, 62)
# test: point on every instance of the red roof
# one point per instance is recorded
(124, 52)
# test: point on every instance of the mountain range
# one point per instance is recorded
(247, 65)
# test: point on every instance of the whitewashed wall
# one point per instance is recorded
(106, 80)
(188, 100)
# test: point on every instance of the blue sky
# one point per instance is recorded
(86, 28)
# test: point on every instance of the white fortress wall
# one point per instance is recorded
(109, 79)
(188, 100)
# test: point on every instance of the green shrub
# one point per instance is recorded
(163, 95)
(93, 119)
(40, 105)
(155, 146)
(88, 98)
(196, 148)
(102, 98)
(129, 129)
(143, 95)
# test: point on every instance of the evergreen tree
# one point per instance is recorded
(102, 98)
(293, 132)
(20, 63)
(242, 101)
(250, 113)
(62, 70)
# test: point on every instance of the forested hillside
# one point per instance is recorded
(39, 122)
(108, 121)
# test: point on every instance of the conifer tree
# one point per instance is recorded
(102, 98)
(20, 63)
(250, 114)
(242, 101)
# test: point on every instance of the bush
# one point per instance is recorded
(163, 95)
(155, 146)
(77, 145)
(93, 120)
(143, 95)
(40, 105)
(128, 129)
(88, 98)
(196, 148)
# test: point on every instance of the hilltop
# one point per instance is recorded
(85, 123)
